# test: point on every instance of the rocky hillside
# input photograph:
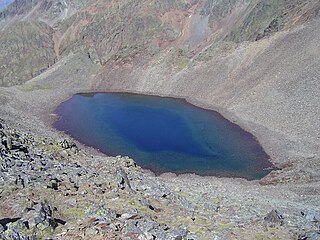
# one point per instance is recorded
(26, 48)
(51, 189)
(101, 30)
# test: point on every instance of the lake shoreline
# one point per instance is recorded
(211, 119)
(229, 199)
(37, 111)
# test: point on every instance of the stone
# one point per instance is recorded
(311, 215)
(2, 229)
(127, 216)
(102, 213)
(312, 235)
(130, 227)
(45, 218)
(146, 236)
(40, 217)
(128, 162)
(17, 230)
(30, 217)
(123, 180)
(178, 233)
(147, 225)
(9, 143)
(23, 149)
(274, 217)
(53, 184)
(20, 182)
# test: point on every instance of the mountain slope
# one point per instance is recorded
(26, 50)
(108, 30)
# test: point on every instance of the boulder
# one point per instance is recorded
(18, 231)
(40, 217)
(123, 180)
(102, 213)
(311, 216)
(312, 235)
(274, 217)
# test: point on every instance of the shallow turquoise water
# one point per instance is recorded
(163, 134)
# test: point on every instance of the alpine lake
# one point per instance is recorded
(163, 135)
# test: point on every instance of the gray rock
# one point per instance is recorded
(130, 213)
(40, 217)
(147, 236)
(274, 217)
(178, 233)
(311, 215)
(102, 213)
(312, 235)
(9, 143)
(17, 231)
(30, 218)
(123, 180)
(20, 182)
(53, 184)
(130, 227)
(147, 225)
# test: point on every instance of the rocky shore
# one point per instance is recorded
(46, 191)
(53, 189)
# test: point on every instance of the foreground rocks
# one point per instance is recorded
(52, 189)
(37, 171)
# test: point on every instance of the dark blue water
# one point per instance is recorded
(4, 4)
(163, 134)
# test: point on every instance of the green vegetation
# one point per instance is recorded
(181, 63)
(73, 213)
(33, 87)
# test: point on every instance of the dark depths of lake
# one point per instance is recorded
(163, 134)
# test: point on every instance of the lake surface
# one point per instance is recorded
(163, 134)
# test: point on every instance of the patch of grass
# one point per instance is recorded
(181, 63)
(199, 231)
(44, 234)
(263, 237)
(6, 190)
(203, 221)
(222, 226)
(132, 202)
(184, 194)
(33, 87)
(74, 213)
